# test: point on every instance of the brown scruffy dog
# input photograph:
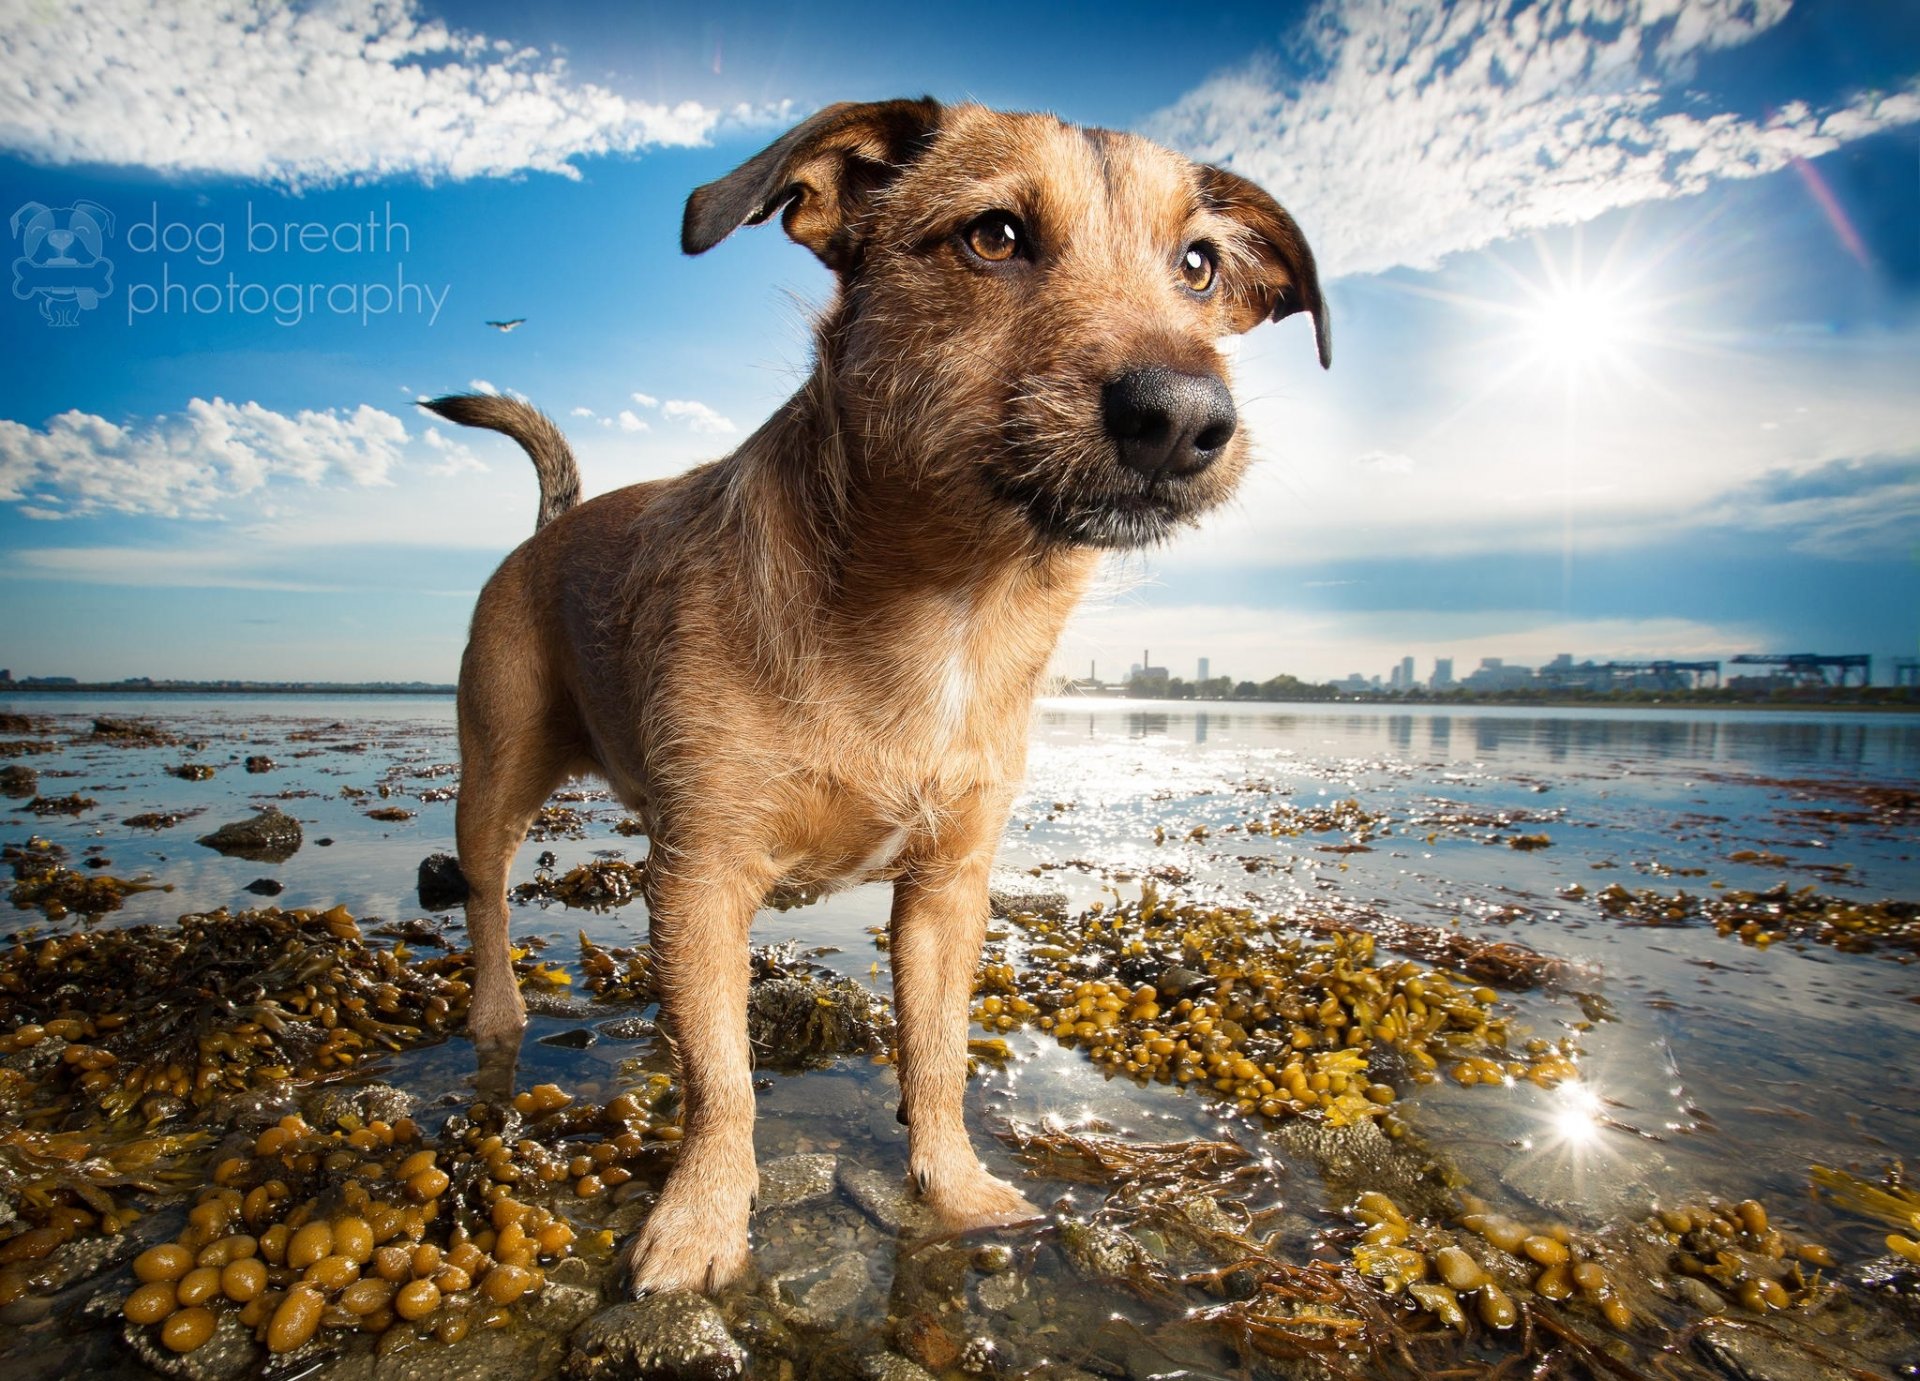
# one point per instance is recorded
(813, 662)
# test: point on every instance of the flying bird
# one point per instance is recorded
(506, 325)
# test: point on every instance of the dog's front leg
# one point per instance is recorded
(939, 923)
(696, 1236)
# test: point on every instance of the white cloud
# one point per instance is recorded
(455, 458)
(630, 423)
(698, 416)
(187, 464)
(646, 400)
(581, 412)
(481, 386)
(1423, 128)
(1386, 463)
(306, 95)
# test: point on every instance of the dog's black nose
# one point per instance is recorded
(1164, 423)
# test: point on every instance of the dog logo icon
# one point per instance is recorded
(60, 258)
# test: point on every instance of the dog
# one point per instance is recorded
(62, 258)
(812, 663)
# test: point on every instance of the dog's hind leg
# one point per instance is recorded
(513, 752)
(939, 922)
(701, 911)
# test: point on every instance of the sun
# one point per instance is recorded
(1578, 323)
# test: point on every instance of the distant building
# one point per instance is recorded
(1442, 673)
(1494, 674)
(1206, 668)
(1407, 681)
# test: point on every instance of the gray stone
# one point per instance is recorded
(483, 1352)
(1099, 1251)
(560, 1305)
(627, 1029)
(1745, 1354)
(1009, 893)
(676, 1337)
(368, 1102)
(272, 836)
(227, 1356)
(822, 1298)
(891, 1366)
(1699, 1295)
(1178, 981)
(883, 1198)
(441, 884)
(793, 1180)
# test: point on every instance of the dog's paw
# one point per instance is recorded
(964, 1196)
(495, 1019)
(686, 1244)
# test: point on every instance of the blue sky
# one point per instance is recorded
(1627, 297)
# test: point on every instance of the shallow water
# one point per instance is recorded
(1726, 1069)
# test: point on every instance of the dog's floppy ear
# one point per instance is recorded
(1284, 280)
(822, 171)
(25, 213)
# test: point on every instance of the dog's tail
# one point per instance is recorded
(537, 434)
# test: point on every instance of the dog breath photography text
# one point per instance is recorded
(263, 262)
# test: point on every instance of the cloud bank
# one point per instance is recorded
(1418, 128)
(305, 96)
(186, 465)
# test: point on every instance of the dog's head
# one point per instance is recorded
(62, 236)
(1029, 310)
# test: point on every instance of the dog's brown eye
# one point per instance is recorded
(995, 237)
(1196, 268)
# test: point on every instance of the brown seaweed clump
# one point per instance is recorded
(19, 782)
(1778, 913)
(43, 882)
(165, 1018)
(1243, 1005)
(597, 886)
(61, 805)
(132, 733)
(369, 1227)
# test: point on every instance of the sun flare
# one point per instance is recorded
(1577, 323)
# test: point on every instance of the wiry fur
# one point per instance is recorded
(813, 661)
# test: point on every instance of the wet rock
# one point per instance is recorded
(61, 805)
(1699, 1295)
(757, 1325)
(266, 887)
(575, 1038)
(1178, 981)
(794, 1180)
(557, 1005)
(82, 1259)
(995, 1258)
(272, 836)
(442, 885)
(192, 772)
(822, 1296)
(891, 1366)
(1742, 1353)
(1359, 1157)
(676, 1337)
(1009, 893)
(18, 781)
(227, 1356)
(1548, 1180)
(368, 1102)
(627, 1029)
(1099, 1251)
(483, 1352)
(883, 1198)
(795, 1023)
(922, 1338)
(561, 1305)
(260, 762)
(133, 733)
